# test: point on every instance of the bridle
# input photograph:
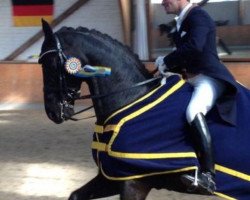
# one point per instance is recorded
(66, 96)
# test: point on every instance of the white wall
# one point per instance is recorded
(103, 15)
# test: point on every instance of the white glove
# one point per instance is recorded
(159, 63)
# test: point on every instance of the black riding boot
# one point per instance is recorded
(202, 143)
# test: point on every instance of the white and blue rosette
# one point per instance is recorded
(73, 66)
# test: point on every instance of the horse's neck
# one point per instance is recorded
(126, 71)
(115, 99)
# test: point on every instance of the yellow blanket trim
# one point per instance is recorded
(232, 172)
(152, 155)
(98, 129)
(146, 175)
(99, 146)
(104, 147)
(142, 110)
(128, 106)
(224, 196)
(101, 129)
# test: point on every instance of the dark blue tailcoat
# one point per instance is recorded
(196, 53)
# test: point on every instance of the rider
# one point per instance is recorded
(195, 57)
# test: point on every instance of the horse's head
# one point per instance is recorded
(60, 87)
(71, 56)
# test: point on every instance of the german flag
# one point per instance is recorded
(30, 12)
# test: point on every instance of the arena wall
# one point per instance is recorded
(22, 83)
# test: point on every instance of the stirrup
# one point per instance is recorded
(203, 183)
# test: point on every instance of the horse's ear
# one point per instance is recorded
(48, 32)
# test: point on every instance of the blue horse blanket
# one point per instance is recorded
(150, 137)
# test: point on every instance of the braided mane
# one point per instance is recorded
(134, 58)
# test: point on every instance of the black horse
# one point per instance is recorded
(129, 82)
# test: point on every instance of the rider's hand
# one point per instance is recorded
(160, 65)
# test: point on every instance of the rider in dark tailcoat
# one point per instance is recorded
(195, 57)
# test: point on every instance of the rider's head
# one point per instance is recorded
(174, 6)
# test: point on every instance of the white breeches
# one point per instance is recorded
(206, 91)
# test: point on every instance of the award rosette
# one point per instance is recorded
(73, 65)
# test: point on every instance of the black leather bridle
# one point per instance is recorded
(66, 96)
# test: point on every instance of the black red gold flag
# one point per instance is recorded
(30, 12)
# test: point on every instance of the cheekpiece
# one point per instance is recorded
(73, 65)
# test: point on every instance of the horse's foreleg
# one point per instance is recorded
(134, 190)
(98, 187)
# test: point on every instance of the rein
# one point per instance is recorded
(119, 91)
(63, 87)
